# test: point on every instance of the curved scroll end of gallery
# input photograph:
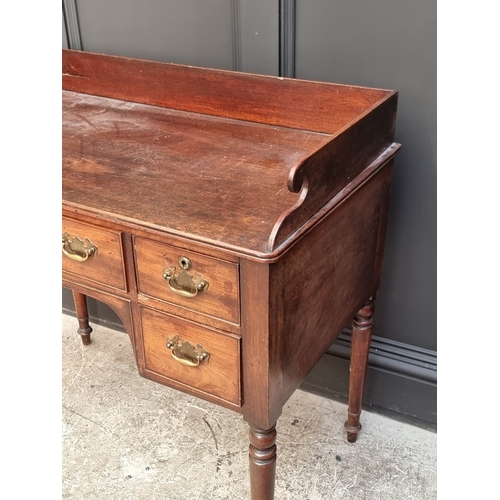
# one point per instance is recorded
(290, 220)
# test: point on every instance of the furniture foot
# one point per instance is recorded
(361, 337)
(84, 329)
(262, 454)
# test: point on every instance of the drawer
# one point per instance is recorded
(217, 294)
(218, 375)
(104, 264)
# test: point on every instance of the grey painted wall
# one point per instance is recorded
(179, 31)
(381, 43)
(224, 34)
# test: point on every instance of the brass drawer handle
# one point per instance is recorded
(76, 249)
(183, 283)
(185, 353)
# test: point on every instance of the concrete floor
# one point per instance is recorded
(126, 438)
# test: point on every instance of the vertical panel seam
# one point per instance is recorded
(287, 22)
(70, 15)
(236, 34)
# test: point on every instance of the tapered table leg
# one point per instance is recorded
(361, 337)
(262, 454)
(84, 329)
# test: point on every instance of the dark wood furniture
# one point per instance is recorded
(234, 222)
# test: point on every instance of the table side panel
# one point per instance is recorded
(325, 278)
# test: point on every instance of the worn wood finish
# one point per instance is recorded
(319, 177)
(106, 266)
(219, 375)
(276, 190)
(361, 335)
(327, 279)
(221, 299)
(189, 314)
(260, 347)
(101, 136)
(262, 458)
(121, 147)
(82, 315)
(284, 102)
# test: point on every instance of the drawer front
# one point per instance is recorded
(218, 294)
(218, 375)
(104, 265)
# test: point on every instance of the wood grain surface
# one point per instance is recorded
(187, 174)
(219, 375)
(107, 265)
(220, 299)
(285, 102)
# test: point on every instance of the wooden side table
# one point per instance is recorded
(234, 222)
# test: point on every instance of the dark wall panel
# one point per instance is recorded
(389, 44)
(259, 22)
(64, 35)
(227, 34)
(178, 31)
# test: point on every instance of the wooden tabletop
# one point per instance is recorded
(178, 171)
(234, 160)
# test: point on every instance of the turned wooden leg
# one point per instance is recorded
(361, 336)
(262, 453)
(83, 318)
